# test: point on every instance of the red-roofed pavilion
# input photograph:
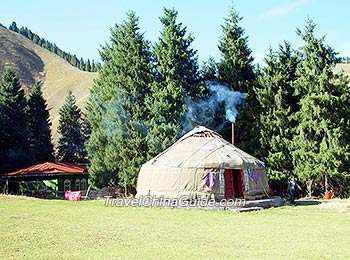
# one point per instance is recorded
(70, 176)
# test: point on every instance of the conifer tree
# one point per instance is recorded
(177, 77)
(71, 141)
(74, 60)
(36, 39)
(236, 70)
(321, 143)
(38, 126)
(88, 66)
(81, 64)
(116, 107)
(278, 104)
(14, 147)
(93, 68)
(13, 27)
(29, 34)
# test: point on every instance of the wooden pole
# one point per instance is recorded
(233, 133)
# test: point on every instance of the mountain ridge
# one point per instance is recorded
(33, 63)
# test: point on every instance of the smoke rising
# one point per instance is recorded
(208, 112)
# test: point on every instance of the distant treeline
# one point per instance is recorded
(344, 60)
(88, 65)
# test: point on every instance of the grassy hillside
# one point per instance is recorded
(35, 63)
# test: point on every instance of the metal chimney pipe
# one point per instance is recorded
(233, 133)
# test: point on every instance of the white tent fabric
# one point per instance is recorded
(181, 169)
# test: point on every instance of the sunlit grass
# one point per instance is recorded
(56, 229)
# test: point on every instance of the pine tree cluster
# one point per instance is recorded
(138, 104)
(138, 101)
(25, 134)
(304, 120)
(25, 137)
(295, 115)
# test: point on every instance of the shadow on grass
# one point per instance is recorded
(303, 203)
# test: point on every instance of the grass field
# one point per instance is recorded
(56, 229)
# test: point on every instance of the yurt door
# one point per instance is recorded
(229, 187)
(237, 183)
(233, 184)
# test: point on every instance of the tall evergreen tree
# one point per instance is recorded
(236, 70)
(38, 126)
(177, 77)
(321, 143)
(14, 147)
(278, 104)
(71, 141)
(116, 107)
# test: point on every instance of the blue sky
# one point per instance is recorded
(81, 27)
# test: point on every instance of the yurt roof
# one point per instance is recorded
(204, 148)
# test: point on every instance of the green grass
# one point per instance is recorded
(53, 229)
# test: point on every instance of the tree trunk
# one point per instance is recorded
(309, 184)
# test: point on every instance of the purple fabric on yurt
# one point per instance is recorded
(210, 179)
(255, 177)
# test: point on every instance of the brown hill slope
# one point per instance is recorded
(28, 64)
(342, 67)
(35, 63)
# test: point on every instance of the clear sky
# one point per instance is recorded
(81, 27)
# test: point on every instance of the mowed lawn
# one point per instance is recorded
(56, 229)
